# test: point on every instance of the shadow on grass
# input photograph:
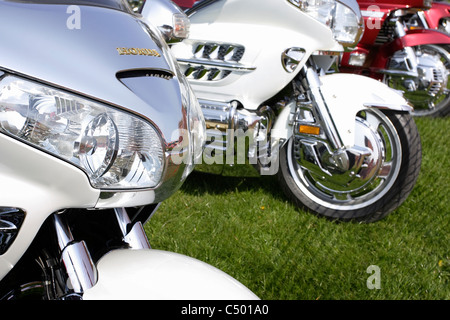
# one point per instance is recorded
(200, 183)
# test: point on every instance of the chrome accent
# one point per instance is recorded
(372, 14)
(75, 257)
(349, 169)
(117, 198)
(431, 78)
(403, 60)
(324, 155)
(212, 61)
(369, 175)
(228, 128)
(167, 17)
(11, 220)
(320, 106)
(218, 64)
(136, 237)
(291, 58)
(423, 19)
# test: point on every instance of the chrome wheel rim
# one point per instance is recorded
(431, 89)
(377, 187)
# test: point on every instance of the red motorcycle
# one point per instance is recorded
(409, 58)
(437, 17)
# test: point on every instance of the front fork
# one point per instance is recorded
(316, 134)
(76, 259)
(305, 115)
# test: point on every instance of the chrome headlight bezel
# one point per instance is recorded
(195, 135)
(346, 24)
(117, 150)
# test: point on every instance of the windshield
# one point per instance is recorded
(113, 4)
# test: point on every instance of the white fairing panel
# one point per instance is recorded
(265, 29)
(161, 275)
(39, 184)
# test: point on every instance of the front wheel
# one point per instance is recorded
(375, 197)
(429, 92)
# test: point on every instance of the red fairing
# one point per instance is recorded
(391, 4)
(376, 11)
(436, 13)
(184, 3)
(412, 38)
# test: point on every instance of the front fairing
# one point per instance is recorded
(42, 42)
(46, 43)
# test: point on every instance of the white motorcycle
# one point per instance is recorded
(90, 100)
(346, 145)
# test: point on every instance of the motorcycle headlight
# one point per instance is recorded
(117, 150)
(346, 24)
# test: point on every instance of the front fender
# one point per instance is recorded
(161, 275)
(347, 94)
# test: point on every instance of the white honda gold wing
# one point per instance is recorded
(92, 108)
(343, 146)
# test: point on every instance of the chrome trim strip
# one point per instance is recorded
(218, 64)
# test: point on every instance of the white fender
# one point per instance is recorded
(347, 94)
(161, 275)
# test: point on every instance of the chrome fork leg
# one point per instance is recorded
(327, 123)
(76, 258)
(135, 237)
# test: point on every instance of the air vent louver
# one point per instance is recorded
(212, 61)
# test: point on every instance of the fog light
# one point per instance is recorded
(357, 59)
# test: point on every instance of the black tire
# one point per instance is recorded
(377, 206)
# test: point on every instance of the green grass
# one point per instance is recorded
(248, 228)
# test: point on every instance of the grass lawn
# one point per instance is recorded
(247, 228)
